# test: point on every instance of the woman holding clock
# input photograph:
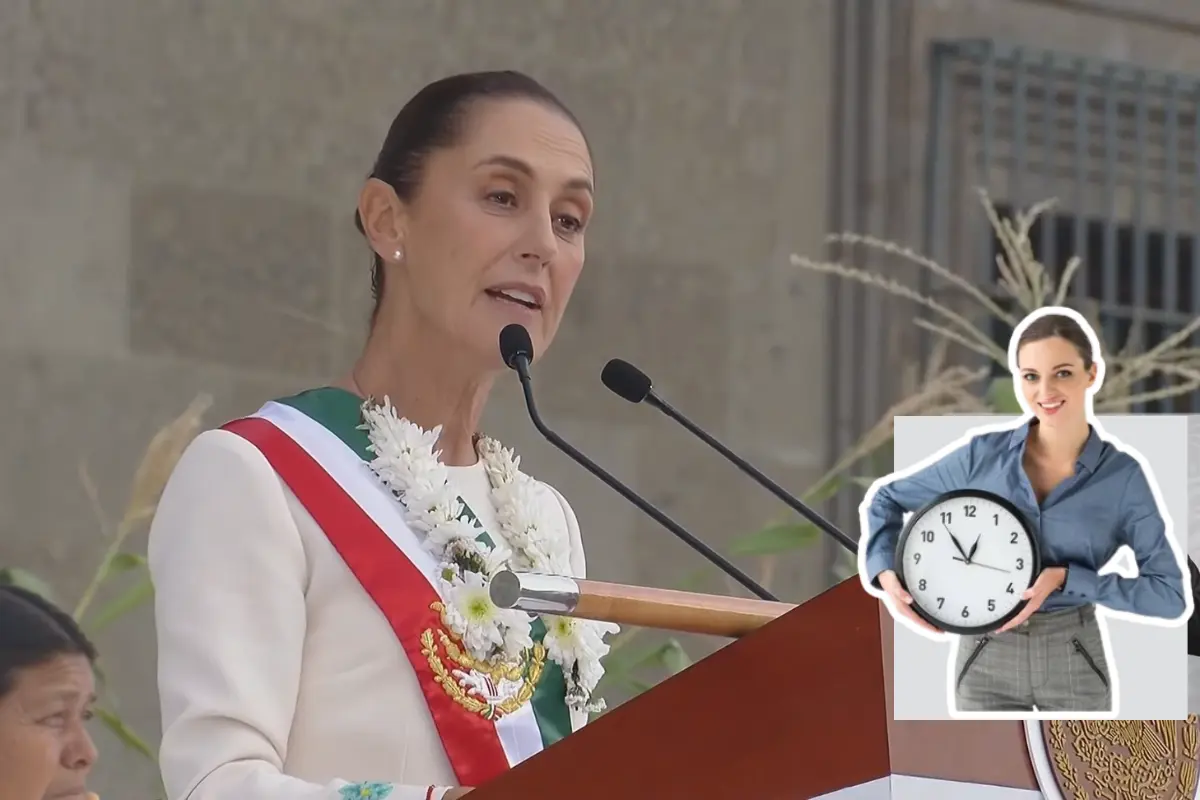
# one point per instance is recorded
(1010, 530)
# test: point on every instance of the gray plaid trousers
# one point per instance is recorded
(1054, 661)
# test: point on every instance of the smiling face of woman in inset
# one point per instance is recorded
(1056, 370)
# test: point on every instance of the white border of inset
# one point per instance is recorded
(1101, 613)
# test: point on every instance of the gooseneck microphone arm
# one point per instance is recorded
(517, 356)
(630, 383)
(790, 500)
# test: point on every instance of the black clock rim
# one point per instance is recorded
(1007, 505)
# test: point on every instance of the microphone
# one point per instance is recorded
(629, 382)
(517, 351)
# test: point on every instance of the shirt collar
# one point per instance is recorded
(1089, 457)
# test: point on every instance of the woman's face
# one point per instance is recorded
(495, 234)
(45, 750)
(1054, 381)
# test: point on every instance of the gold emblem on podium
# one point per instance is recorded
(1123, 760)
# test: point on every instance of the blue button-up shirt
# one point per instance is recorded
(1080, 525)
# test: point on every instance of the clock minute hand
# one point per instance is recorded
(985, 566)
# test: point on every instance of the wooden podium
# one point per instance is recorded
(800, 708)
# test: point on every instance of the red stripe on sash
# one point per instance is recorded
(398, 588)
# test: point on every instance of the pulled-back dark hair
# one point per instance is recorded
(33, 631)
(434, 119)
(1060, 326)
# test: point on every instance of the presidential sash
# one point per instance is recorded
(489, 718)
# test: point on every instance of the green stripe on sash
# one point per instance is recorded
(340, 412)
(550, 696)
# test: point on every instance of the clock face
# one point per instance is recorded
(965, 559)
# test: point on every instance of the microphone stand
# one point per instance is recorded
(790, 500)
(520, 362)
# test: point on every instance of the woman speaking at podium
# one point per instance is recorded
(324, 627)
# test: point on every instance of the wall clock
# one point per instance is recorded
(965, 558)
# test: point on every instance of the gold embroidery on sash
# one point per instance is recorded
(490, 689)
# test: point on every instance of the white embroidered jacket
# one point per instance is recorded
(279, 678)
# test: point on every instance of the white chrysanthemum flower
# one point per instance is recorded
(497, 559)
(503, 465)
(519, 514)
(529, 537)
(473, 616)
(428, 510)
(408, 479)
(578, 646)
(447, 534)
(460, 554)
(405, 458)
(559, 639)
(393, 436)
(486, 631)
(568, 639)
(428, 479)
(518, 633)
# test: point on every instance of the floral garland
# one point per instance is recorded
(407, 463)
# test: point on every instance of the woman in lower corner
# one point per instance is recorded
(47, 688)
(321, 567)
(1085, 499)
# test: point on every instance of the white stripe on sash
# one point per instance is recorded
(518, 732)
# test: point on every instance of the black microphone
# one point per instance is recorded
(629, 382)
(517, 351)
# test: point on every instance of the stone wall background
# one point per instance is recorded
(176, 189)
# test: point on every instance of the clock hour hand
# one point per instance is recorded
(974, 547)
(977, 564)
(957, 544)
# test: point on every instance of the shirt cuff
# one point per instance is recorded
(880, 562)
(1081, 583)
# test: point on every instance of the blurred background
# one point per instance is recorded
(177, 185)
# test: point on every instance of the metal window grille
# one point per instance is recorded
(1118, 146)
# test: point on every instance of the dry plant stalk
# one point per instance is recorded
(1028, 283)
(149, 480)
(943, 390)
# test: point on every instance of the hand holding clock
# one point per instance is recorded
(967, 562)
(1049, 581)
(901, 600)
